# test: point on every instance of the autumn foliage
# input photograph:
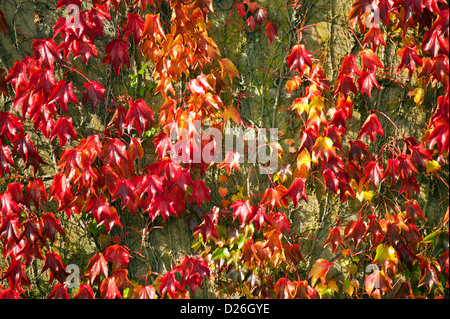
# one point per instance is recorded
(243, 246)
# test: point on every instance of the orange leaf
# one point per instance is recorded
(319, 270)
(229, 69)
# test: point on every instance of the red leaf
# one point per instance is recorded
(334, 238)
(373, 173)
(272, 197)
(103, 213)
(116, 53)
(375, 229)
(109, 290)
(62, 3)
(85, 292)
(94, 92)
(57, 268)
(118, 255)
(375, 37)
(59, 292)
(419, 155)
(258, 216)
(36, 192)
(127, 193)
(162, 144)
(134, 26)
(63, 93)
(193, 271)
(298, 58)
(45, 52)
(51, 225)
(162, 205)
(439, 137)
(409, 59)
(10, 125)
(170, 285)
(25, 147)
(64, 130)
(349, 67)
(434, 40)
(297, 190)
(251, 22)
(8, 293)
(5, 160)
(280, 222)
(392, 170)
(358, 150)
(231, 160)
(200, 84)
(60, 190)
(204, 5)
(319, 270)
(200, 193)
(413, 210)
(345, 84)
(114, 153)
(242, 209)
(355, 230)
(16, 276)
(31, 231)
(366, 82)
(139, 114)
(97, 266)
(260, 15)
(405, 167)
(241, 10)
(271, 31)
(385, 7)
(371, 127)
(409, 185)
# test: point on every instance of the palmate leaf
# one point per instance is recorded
(116, 53)
(118, 255)
(271, 31)
(64, 130)
(94, 93)
(96, 267)
(298, 58)
(319, 270)
(334, 238)
(134, 26)
(371, 127)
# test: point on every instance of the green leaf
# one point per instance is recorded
(221, 253)
(433, 237)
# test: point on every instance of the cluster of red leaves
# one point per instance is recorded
(100, 172)
(255, 15)
(101, 168)
(351, 173)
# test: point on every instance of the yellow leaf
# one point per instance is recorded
(301, 104)
(317, 102)
(385, 253)
(229, 69)
(304, 159)
(419, 96)
(433, 167)
(323, 147)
